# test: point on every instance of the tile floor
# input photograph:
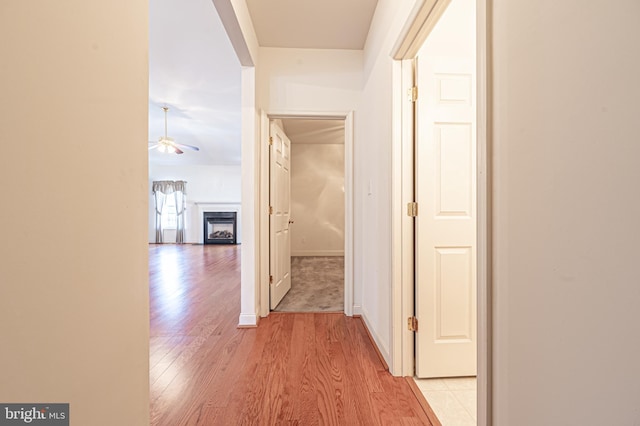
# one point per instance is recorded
(453, 400)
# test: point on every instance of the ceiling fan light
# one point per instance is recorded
(167, 144)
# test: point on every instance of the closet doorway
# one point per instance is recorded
(312, 244)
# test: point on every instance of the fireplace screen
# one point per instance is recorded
(218, 231)
(220, 228)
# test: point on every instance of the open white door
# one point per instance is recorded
(279, 209)
(446, 342)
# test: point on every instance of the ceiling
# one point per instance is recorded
(312, 24)
(194, 70)
(303, 131)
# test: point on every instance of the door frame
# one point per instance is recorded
(423, 18)
(265, 117)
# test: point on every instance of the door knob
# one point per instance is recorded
(290, 221)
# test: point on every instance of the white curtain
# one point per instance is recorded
(159, 198)
(161, 189)
(180, 198)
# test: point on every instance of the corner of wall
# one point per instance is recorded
(357, 310)
(248, 320)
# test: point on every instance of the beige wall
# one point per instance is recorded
(74, 308)
(566, 212)
(317, 199)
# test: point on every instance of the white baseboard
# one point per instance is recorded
(357, 310)
(383, 350)
(248, 320)
(317, 253)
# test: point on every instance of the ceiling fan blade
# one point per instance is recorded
(191, 147)
(167, 144)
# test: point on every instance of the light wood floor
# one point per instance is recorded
(294, 369)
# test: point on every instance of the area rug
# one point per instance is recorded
(317, 285)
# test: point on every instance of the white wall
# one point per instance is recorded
(251, 279)
(566, 212)
(304, 80)
(373, 203)
(309, 79)
(373, 136)
(237, 22)
(74, 311)
(317, 199)
(205, 184)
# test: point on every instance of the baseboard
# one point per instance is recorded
(248, 321)
(375, 339)
(317, 253)
(357, 310)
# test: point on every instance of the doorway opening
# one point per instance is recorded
(445, 230)
(320, 217)
(316, 221)
(444, 269)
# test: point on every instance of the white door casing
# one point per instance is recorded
(280, 211)
(350, 307)
(446, 342)
(420, 24)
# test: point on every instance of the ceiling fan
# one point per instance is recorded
(167, 144)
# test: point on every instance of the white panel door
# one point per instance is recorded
(280, 204)
(446, 222)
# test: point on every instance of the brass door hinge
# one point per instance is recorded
(270, 140)
(270, 279)
(413, 94)
(270, 210)
(412, 209)
(412, 323)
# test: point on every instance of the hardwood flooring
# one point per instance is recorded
(294, 369)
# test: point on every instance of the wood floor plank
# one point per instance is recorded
(360, 408)
(363, 354)
(276, 356)
(201, 378)
(240, 390)
(165, 358)
(301, 387)
(216, 387)
(404, 405)
(294, 369)
(330, 395)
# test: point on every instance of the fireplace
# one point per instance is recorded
(219, 227)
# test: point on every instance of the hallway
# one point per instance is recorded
(304, 369)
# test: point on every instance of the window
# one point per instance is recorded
(169, 212)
